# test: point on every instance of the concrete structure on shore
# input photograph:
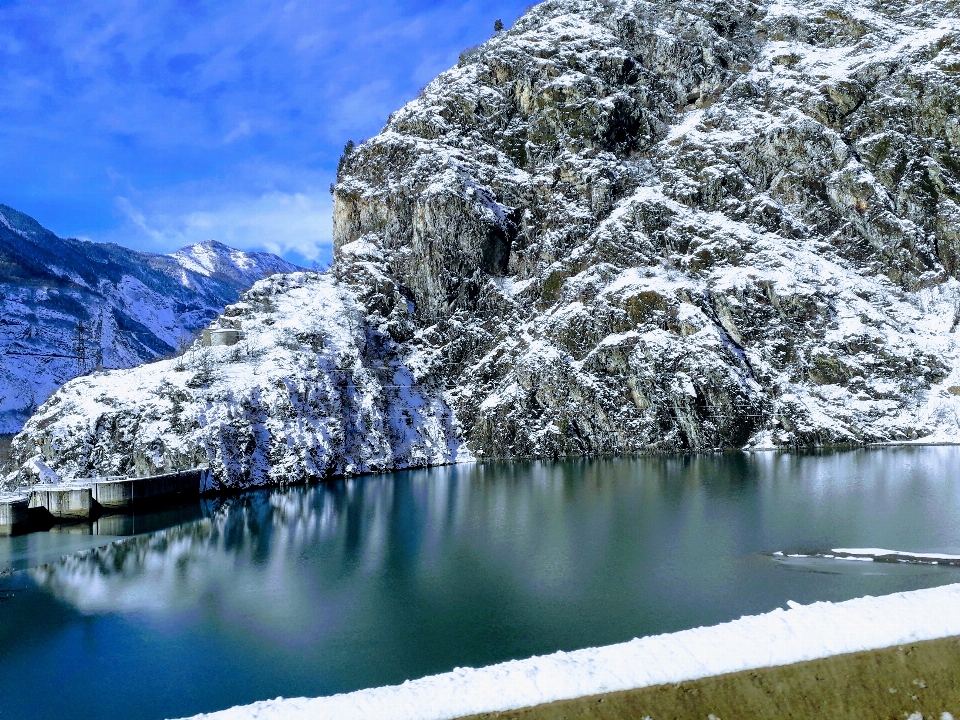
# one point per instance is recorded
(220, 337)
(14, 513)
(69, 502)
(131, 493)
(87, 499)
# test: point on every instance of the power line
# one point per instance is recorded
(29, 354)
(81, 348)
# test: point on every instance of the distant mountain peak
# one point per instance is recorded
(209, 244)
(212, 257)
(136, 306)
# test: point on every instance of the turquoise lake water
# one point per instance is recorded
(324, 589)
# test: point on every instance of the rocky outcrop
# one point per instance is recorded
(630, 225)
(310, 391)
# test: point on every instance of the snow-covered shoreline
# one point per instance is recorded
(781, 637)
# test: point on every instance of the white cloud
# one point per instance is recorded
(242, 130)
(210, 120)
(278, 222)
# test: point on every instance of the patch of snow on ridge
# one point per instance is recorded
(781, 637)
(6, 224)
(211, 257)
(199, 258)
(689, 122)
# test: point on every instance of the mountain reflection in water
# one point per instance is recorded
(323, 589)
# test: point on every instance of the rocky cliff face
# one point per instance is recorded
(682, 225)
(135, 306)
(624, 226)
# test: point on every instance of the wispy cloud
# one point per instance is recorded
(150, 99)
(297, 224)
(242, 130)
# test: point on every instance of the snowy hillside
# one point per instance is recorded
(619, 226)
(308, 370)
(135, 306)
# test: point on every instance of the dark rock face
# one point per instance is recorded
(619, 226)
(546, 117)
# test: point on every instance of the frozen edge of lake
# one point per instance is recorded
(781, 637)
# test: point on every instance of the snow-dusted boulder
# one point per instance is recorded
(39, 471)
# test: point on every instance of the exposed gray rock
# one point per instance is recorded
(624, 226)
(694, 194)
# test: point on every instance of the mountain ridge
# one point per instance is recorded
(618, 227)
(136, 305)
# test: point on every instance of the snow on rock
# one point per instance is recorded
(880, 552)
(781, 637)
(616, 227)
(36, 467)
(638, 225)
(311, 391)
(136, 306)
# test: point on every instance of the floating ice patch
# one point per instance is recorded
(877, 555)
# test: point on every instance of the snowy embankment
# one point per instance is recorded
(781, 637)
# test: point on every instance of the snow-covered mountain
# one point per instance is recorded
(619, 226)
(135, 306)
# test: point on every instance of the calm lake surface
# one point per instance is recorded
(372, 581)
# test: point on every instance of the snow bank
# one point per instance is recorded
(780, 637)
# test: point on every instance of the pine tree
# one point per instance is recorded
(498, 25)
(347, 152)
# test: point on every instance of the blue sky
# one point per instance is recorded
(157, 123)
